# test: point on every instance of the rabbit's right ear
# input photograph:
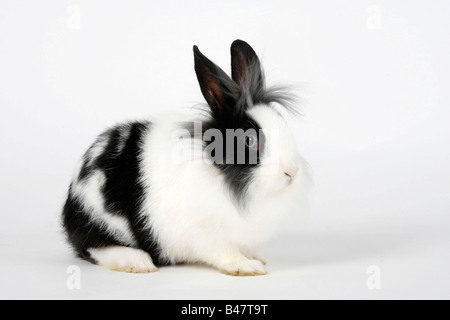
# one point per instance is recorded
(215, 84)
(244, 64)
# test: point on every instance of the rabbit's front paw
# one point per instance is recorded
(244, 268)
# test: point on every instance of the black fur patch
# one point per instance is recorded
(238, 174)
(123, 191)
(81, 233)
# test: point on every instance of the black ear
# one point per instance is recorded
(245, 65)
(216, 85)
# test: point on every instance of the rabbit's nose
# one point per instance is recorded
(291, 173)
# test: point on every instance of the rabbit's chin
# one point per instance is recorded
(277, 184)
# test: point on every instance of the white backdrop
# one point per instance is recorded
(374, 78)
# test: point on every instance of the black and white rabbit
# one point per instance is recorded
(137, 201)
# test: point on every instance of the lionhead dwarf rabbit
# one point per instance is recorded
(137, 201)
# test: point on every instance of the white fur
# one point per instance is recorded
(123, 134)
(123, 259)
(97, 149)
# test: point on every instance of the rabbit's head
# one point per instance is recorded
(246, 137)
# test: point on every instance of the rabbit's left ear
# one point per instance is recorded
(245, 66)
(216, 86)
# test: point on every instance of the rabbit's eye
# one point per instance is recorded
(251, 142)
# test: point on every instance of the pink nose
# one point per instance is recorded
(291, 173)
(290, 178)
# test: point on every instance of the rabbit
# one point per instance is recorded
(140, 200)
